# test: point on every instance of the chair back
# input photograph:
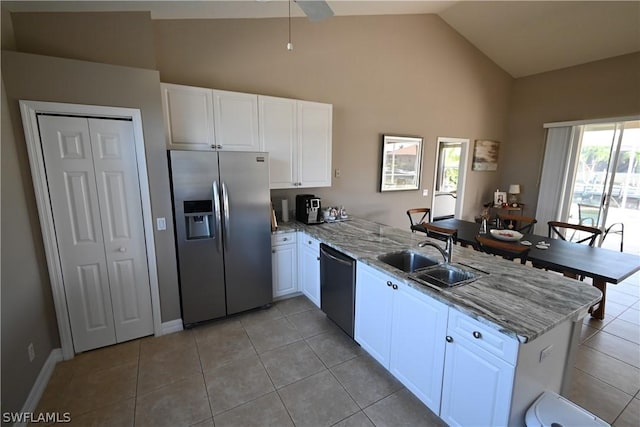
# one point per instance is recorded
(506, 250)
(588, 214)
(440, 233)
(416, 223)
(559, 229)
(521, 223)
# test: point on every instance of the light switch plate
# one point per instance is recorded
(161, 224)
(425, 192)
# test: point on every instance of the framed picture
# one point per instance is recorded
(499, 198)
(401, 161)
(485, 155)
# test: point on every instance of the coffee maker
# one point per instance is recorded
(308, 210)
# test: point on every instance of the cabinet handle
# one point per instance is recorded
(310, 242)
(477, 335)
(318, 258)
(394, 286)
(123, 249)
(389, 283)
(284, 239)
(219, 147)
(449, 338)
(213, 147)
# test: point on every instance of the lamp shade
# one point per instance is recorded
(514, 189)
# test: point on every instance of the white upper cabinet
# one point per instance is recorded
(297, 135)
(235, 117)
(278, 137)
(206, 119)
(314, 139)
(188, 117)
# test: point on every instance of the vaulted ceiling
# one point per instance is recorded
(522, 37)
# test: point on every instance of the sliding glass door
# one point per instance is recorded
(605, 189)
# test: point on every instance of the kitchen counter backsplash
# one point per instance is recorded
(518, 300)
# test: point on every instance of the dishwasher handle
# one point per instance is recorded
(325, 251)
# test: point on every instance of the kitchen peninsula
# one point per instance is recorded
(477, 353)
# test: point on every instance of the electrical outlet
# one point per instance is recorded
(31, 351)
(545, 352)
(337, 173)
(161, 224)
(425, 192)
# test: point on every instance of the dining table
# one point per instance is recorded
(601, 265)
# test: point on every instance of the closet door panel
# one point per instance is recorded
(71, 178)
(118, 191)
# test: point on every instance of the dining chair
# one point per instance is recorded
(416, 225)
(559, 229)
(619, 230)
(506, 250)
(521, 223)
(440, 233)
(588, 215)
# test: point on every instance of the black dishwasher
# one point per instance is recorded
(338, 287)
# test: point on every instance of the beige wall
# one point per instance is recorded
(112, 38)
(42, 78)
(409, 75)
(28, 315)
(607, 88)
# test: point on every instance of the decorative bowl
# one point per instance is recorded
(507, 235)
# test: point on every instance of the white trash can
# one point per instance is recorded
(553, 410)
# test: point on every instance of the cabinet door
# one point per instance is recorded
(188, 117)
(418, 344)
(476, 387)
(284, 270)
(236, 121)
(278, 138)
(309, 268)
(374, 301)
(314, 143)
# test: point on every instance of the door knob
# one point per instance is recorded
(477, 334)
(449, 338)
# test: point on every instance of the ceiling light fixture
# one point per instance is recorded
(289, 44)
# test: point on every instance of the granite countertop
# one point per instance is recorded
(517, 300)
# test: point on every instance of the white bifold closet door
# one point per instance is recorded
(95, 199)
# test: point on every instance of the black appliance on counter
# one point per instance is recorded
(338, 287)
(308, 209)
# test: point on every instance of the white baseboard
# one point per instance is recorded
(42, 380)
(171, 326)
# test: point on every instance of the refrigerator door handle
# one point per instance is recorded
(225, 203)
(216, 208)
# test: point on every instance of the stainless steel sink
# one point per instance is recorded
(444, 276)
(407, 261)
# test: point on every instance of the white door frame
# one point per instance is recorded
(29, 111)
(462, 171)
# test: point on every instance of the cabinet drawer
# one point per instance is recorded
(475, 333)
(283, 238)
(309, 242)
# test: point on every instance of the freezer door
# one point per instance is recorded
(194, 176)
(246, 229)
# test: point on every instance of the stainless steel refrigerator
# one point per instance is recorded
(222, 214)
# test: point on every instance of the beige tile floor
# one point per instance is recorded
(290, 366)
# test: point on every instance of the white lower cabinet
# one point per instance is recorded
(284, 262)
(309, 267)
(417, 344)
(374, 304)
(479, 374)
(462, 370)
(404, 330)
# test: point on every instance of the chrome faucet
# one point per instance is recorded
(446, 253)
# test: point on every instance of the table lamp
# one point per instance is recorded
(514, 190)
